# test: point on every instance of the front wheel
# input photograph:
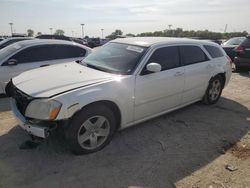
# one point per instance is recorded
(91, 129)
(214, 90)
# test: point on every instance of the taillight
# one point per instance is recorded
(240, 49)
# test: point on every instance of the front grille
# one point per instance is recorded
(22, 99)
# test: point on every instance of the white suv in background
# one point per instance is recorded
(125, 82)
(29, 54)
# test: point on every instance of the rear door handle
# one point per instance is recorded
(44, 65)
(178, 73)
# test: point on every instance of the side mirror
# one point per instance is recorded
(153, 67)
(12, 62)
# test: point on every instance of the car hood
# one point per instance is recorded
(56, 79)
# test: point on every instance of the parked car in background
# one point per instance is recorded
(30, 54)
(62, 37)
(57, 37)
(230, 45)
(213, 40)
(9, 41)
(242, 58)
(80, 41)
(94, 42)
(124, 82)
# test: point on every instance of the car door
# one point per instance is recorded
(158, 92)
(197, 71)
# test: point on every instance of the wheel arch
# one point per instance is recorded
(222, 75)
(111, 105)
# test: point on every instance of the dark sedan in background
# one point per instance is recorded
(230, 45)
(242, 57)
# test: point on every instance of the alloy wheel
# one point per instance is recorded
(215, 90)
(93, 132)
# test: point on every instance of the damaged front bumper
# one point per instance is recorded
(32, 129)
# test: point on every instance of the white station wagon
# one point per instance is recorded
(125, 82)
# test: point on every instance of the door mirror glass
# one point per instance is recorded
(12, 62)
(153, 67)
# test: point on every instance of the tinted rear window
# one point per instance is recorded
(214, 51)
(68, 51)
(192, 54)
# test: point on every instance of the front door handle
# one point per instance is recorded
(178, 73)
(44, 65)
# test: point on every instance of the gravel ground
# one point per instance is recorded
(190, 147)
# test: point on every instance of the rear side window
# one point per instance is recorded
(192, 54)
(167, 57)
(68, 51)
(214, 51)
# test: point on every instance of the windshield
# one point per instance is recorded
(8, 50)
(234, 41)
(115, 58)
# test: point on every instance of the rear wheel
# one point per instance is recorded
(235, 68)
(214, 90)
(91, 129)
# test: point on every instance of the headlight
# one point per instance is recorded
(43, 109)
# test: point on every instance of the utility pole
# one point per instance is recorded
(11, 28)
(51, 30)
(82, 30)
(225, 30)
(72, 33)
(102, 32)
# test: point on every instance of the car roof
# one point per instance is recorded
(26, 43)
(149, 41)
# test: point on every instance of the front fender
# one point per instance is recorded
(120, 94)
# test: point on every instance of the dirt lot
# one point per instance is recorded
(187, 148)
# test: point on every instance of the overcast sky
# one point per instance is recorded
(131, 16)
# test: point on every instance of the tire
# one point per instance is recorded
(91, 129)
(214, 90)
(235, 68)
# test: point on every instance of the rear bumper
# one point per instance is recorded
(42, 132)
(242, 62)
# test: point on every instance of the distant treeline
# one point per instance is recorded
(205, 34)
(179, 32)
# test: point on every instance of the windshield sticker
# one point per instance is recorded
(135, 49)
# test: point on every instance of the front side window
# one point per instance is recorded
(167, 57)
(192, 54)
(34, 54)
(115, 58)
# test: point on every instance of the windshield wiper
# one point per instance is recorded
(96, 67)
